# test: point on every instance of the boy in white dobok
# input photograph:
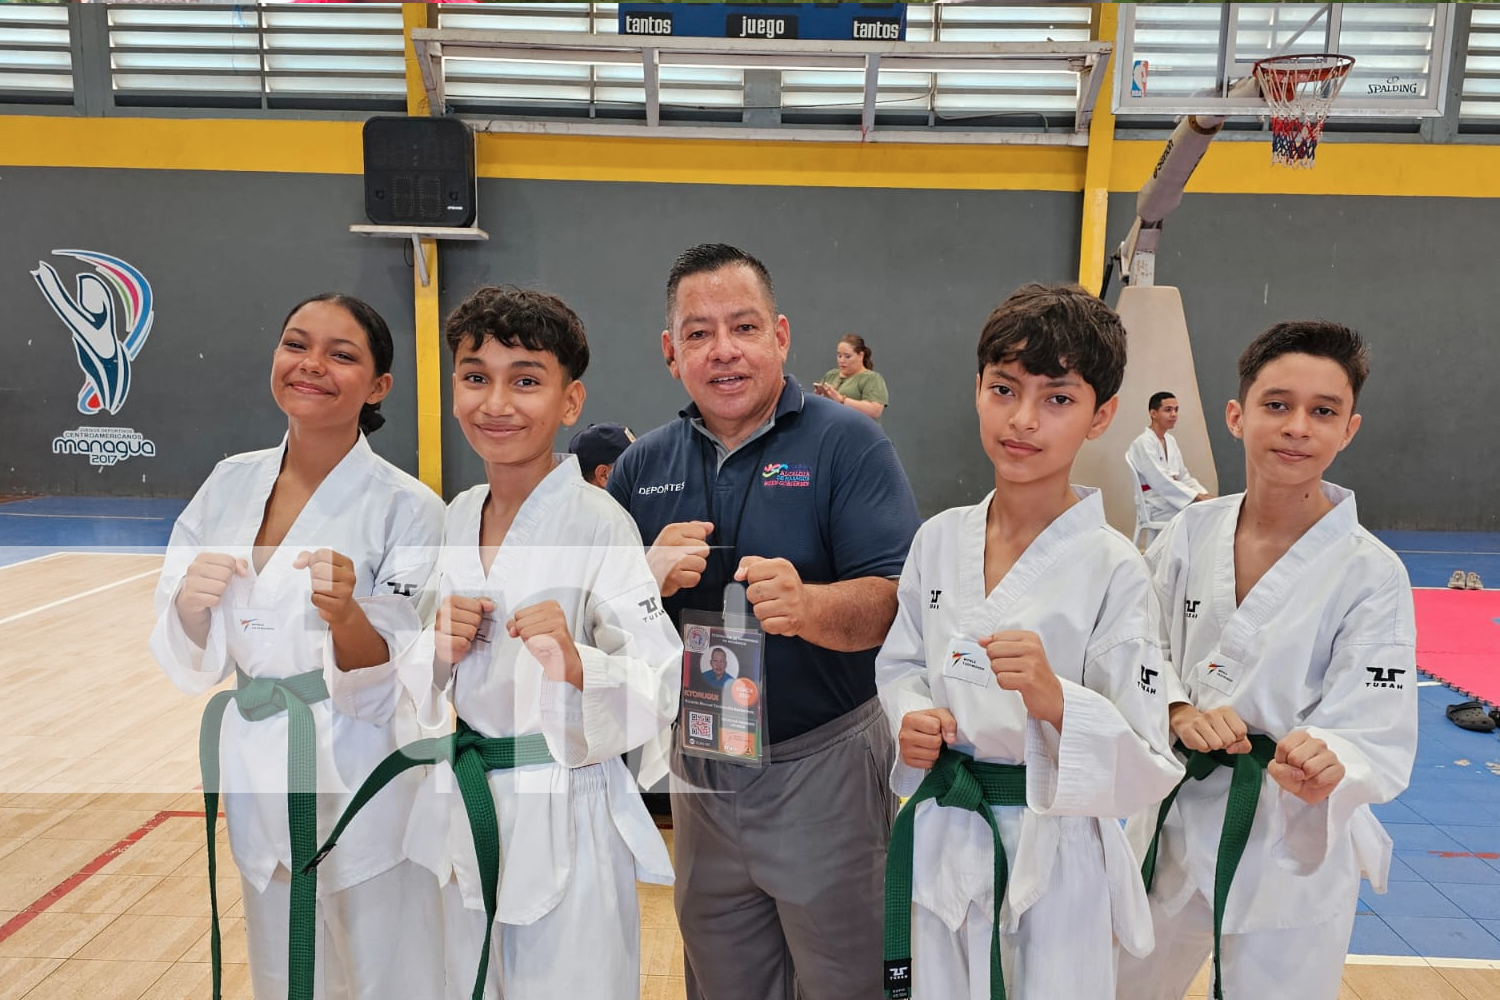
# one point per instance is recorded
(1022, 678)
(551, 645)
(1291, 639)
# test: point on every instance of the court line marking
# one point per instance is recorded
(72, 882)
(34, 559)
(1418, 960)
(77, 597)
(89, 517)
(67, 885)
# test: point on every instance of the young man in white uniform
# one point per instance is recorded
(298, 568)
(1024, 653)
(551, 645)
(1168, 486)
(1291, 638)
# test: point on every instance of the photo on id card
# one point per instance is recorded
(723, 713)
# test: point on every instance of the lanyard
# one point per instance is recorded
(725, 552)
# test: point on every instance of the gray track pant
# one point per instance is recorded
(781, 869)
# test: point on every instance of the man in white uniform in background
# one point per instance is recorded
(1168, 485)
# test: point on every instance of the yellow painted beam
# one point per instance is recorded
(1232, 166)
(787, 163)
(426, 309)
(1382, 169)
(245, 144)
(427, 313)
(1097, 168)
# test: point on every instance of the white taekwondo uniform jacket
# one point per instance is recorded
(1326, 642)
(1083, 588)
(389, 525)
(570, 542)
(1162, 467)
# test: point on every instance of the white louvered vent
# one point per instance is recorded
(272, 55)
(1480, 103)
(36, 61)
(474, 84)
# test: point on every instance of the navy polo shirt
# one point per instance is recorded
(822, 488)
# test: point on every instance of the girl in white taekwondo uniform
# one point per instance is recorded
(552, 646)
(1291, 642)
(1024, 652)
(293, 569)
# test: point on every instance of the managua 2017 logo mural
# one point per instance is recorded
(109, 316)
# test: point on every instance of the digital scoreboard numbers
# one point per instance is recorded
(861, 22)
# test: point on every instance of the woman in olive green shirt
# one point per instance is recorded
(855, 383)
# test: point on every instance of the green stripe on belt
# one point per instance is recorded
(259, 698)
(1239, 816)
(471, 756)
(956, 781)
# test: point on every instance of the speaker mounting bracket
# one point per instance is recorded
(417, 234)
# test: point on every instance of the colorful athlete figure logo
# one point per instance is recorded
(90, 317)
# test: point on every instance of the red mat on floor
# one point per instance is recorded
(1458, 639)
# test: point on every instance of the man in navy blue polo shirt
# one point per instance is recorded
(780, 869)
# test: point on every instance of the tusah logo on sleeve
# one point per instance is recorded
(1147, 683)
(1385, 677)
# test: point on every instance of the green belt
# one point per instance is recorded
(261, 698)
(471, 756)
(961, 782)
(1239, 816)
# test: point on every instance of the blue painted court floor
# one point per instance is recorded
(40, 526)
(1444, 894)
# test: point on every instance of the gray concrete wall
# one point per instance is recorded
(914, 272)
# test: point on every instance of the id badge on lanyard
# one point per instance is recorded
(723, 708)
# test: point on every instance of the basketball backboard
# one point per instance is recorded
(1180, 58)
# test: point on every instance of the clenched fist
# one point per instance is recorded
(204, 584)
(776, 594)
(332, 585)
(1306, 767)
(544, 629)
(679, 556)
(1020, 665)
(458, 621)
(923, 734)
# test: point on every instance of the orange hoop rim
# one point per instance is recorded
(1280, 76)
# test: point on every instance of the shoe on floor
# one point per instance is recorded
(1472, 716)
(1471, 582)
(1458, 581)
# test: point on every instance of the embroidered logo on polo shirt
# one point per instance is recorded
(647, 491)
(785, 474)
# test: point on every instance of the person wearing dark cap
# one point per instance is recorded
(597, 446)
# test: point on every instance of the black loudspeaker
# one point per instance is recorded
(419, 172)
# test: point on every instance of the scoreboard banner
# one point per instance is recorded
(864, 22)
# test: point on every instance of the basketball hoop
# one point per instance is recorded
(1300, 91)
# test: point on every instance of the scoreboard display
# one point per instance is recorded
(863, 22)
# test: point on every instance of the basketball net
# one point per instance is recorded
(1300, 91)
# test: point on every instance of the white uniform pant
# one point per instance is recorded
(1299, 963)
(375, 940)
(588, 946)
(1063, 946)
